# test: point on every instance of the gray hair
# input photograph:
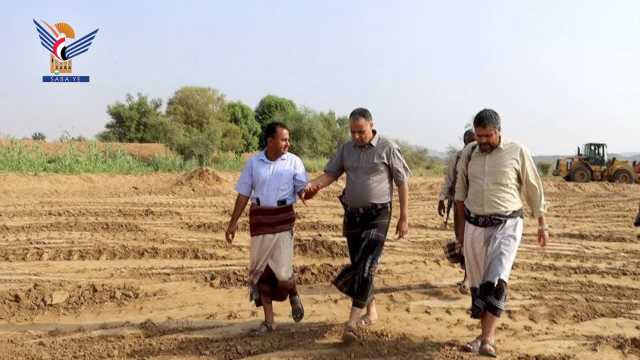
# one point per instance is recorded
(487, 118)
(360, 113)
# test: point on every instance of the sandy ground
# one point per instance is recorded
(136, 267)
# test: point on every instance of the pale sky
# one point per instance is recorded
(560, 73)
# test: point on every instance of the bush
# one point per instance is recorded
(272, 106)
(244, 118)
(418, 159)
(136, 120)
(314, 134)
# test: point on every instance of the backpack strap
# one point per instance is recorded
(473, 148)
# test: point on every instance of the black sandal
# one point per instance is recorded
(297, 310)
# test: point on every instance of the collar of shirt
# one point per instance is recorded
(263, 157)
(374, 141)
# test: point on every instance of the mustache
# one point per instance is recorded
(487, 147)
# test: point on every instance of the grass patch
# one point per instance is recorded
(18, 157)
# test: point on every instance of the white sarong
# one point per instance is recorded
(275, 250)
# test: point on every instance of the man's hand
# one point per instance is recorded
(402, 229)
(311, 190)
(441, 208)
(543, 237)
(460, 240)
(302, 195)
(231, 232)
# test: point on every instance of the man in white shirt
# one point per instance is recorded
(271, 179)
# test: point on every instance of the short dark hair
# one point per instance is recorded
(487, 118)
(272, 128)
(468, 136)
(358, 113)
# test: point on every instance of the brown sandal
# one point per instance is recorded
(488, 349)
(350, 334)
(263, 329)
(473, 346)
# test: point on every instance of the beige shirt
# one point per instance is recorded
(448, 187)
(497, 179)
(371, 171)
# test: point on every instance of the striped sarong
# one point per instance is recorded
(366, 231)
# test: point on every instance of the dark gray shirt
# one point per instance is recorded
(371, 171)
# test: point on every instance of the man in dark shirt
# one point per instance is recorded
(372, 165)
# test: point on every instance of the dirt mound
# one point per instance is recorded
(316, 246)
(585, 188)
(121, 252)
(318, 226)
(201, 177)
(546, 357)
(128, 213)
(227, 278)
(26, 304)
(317, 273)
(305, 275)
(213, 227)
(627, 345)
(577, 301)
(564, 270)
(611, 236)
(72, 226)
(281, 344)
(201, 181)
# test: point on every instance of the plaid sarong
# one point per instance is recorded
(366, 231)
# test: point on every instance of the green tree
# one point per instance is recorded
(136, 120)
(243, 117)
(271, 107)
(197, 107)
(314, 134)
(417, 157)
(200, 124)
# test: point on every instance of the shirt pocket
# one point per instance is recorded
(375, 168)
(284, 180)
(506, 174)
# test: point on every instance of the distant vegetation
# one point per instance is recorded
(201, 128)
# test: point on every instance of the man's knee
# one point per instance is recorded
(490, 297)
(289, 284)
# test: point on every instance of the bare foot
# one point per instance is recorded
(367, 320)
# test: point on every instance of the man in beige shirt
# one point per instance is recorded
(492, 173)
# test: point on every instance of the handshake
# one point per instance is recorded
(309, 192)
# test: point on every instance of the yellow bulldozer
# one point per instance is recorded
(593, 164)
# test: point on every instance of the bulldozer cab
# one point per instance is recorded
(595, 154)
